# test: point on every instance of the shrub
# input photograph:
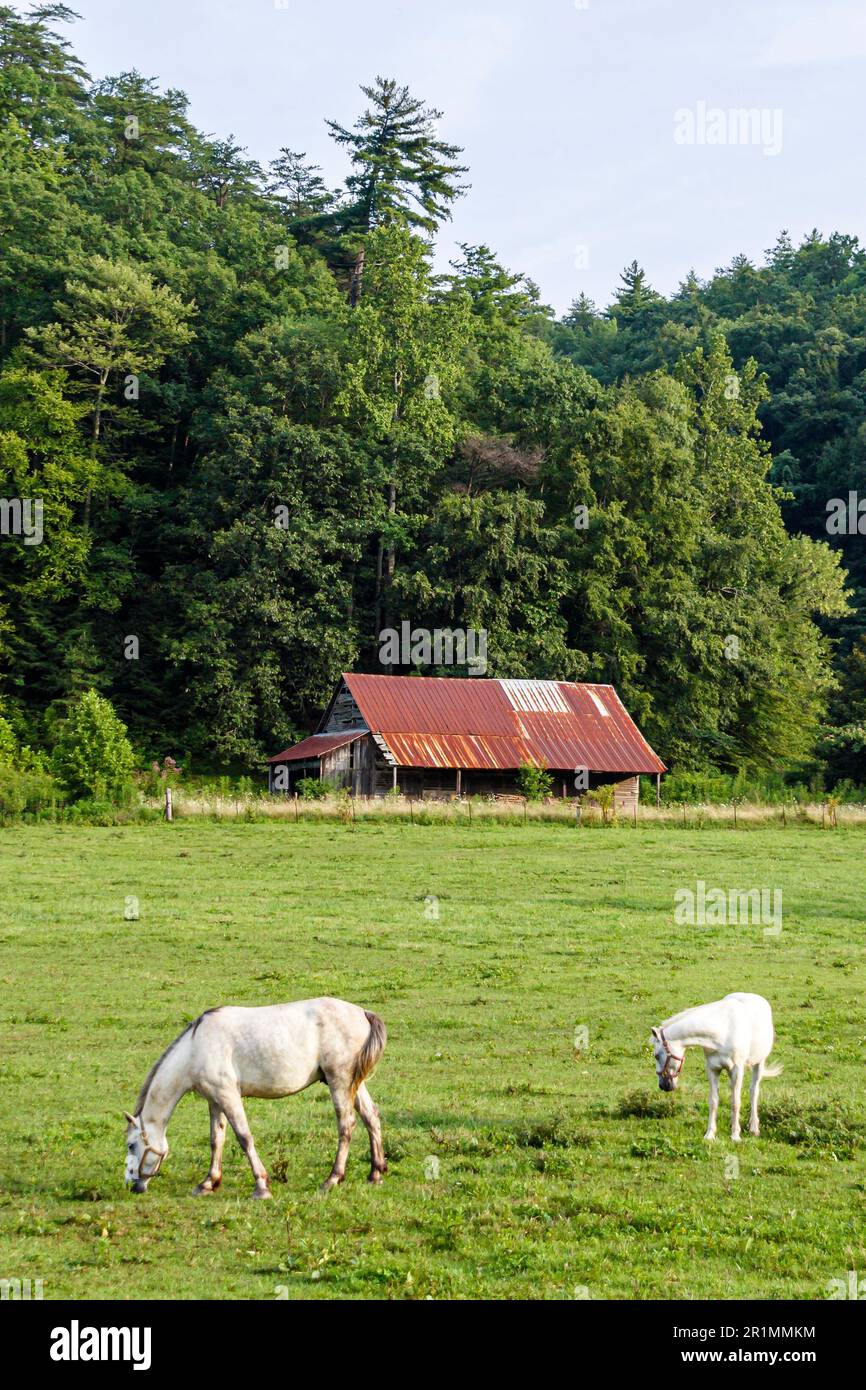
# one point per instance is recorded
(768, 788)
(93, 758)
(25, 786)
(534, 782)
(8, 741)
(312, 788)
(605, 799)
(92, 811)
(157, 778)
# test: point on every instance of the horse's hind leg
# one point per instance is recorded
(342, 1098)
(237, 1118)
(754, 1091)
(217, 1139)
(369, 1113)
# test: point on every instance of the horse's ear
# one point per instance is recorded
(656, 1032)
(130, 1118)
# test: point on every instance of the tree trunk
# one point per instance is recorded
(377, 605)
(97, 422)
(384, 572)
(357, 278)
(392, 508)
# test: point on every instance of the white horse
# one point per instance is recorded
(229, 1053)
(735, 1032)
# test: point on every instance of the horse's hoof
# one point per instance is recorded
(203, 1190)
(329, 1183)
(709, 1138)
(735, 1138)
(375, 1176)
(262, 1193)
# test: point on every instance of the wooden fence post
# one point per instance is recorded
(168, 803)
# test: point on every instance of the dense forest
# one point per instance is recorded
(262, 429)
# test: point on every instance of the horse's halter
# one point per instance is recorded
(670, 1057)
(149, 1149)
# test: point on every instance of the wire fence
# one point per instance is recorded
(576, 814)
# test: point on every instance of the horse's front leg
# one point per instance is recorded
(237, 1118)
(754, 1090)
(713, 1078)
(737, 1074)
(217, 1139)
(343, 1107)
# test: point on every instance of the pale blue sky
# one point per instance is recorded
(566, 109)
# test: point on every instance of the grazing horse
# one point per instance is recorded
(229, 1053)
(735, 1032)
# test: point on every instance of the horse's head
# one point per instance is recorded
(669, 1063)
(143, 1159)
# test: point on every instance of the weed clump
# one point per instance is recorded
(642, 1105)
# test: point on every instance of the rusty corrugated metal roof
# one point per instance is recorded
(440, 721)
(315, 745)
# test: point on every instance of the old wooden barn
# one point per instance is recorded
(438, 736)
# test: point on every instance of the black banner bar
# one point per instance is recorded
(163, 1338)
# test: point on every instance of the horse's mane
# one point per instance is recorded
(142, 1095)
(675, 1018)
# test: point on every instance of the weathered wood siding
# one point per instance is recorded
(344, 714)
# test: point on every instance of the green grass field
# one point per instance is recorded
(560, 1174)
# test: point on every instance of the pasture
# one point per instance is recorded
(521, 1166)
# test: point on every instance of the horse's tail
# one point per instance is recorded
(774, 1070)
(370, 1052)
